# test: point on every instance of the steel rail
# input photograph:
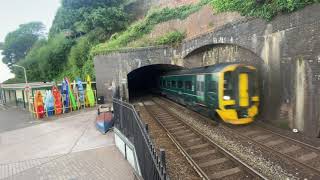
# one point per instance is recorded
(305, 145)
(230, 156)
(194, 165)
(277, 153)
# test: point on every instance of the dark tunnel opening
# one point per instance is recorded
(145, 80)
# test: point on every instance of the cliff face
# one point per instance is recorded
(197, 23)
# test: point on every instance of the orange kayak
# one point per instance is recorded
(38, 105)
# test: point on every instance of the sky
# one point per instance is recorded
(16, 12)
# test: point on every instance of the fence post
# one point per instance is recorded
(147, 127)
(163, 158)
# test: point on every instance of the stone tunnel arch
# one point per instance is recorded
(145, 79)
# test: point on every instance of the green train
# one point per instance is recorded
(227, 91)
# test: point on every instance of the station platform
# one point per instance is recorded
(67, 148)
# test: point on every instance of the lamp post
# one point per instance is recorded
(26, 80)
(25, 73)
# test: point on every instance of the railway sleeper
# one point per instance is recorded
(262, 137)
(290, 149)
(307, 157)
(225, 173)
(174, 125)
(213, 162)
(177, 133)
(176, 128)
(182, 136)
(275, 142)
(201, 154)
(199, 146)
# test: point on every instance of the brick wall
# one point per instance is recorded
(287, 51)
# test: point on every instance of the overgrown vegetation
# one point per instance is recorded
(171, 38)
(77, 27)
(265, 9)
(145, 26)
(82, 29)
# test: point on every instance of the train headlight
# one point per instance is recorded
(226, 98)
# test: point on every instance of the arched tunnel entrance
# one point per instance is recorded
(211, 54)
(145, 79)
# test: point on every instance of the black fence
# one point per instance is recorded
(129, 123)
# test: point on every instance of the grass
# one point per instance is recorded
(145, 26)
(135, 35)
(266, 9)
(172, 38)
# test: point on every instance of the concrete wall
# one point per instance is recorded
(286, 50)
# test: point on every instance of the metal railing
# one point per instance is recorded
(129, 123)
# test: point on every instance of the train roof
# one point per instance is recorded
(204, 69)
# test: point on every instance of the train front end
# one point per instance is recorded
(238, 94)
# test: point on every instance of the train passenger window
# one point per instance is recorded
(164, 83)
(188, 85)
(228, 85)
(174, 84)
(180, 84)
(200, 86)
(212, 86)
(168, 84)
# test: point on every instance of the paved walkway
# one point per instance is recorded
(68, 148)
(12, 118)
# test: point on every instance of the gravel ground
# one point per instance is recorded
(177, 165)
(298, 136)
(304, 150)
(263, 161)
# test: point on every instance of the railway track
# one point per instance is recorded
(210, 160)
(302, 155)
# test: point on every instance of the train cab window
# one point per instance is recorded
(174, 84)
(180, 84)
(228, 86)
(164, 83)
(188, 85)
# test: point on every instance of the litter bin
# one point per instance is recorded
(101, 100)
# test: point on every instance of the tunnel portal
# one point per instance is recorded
(143, 80)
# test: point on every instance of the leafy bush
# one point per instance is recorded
(266, 10)
(145, 26)
(172, 38)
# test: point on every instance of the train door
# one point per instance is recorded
(243, 90)
(211, 90)
(200, 88)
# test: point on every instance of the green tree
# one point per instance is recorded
(76, 4)
(18, 43)
(53, 56)
(78, 17)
